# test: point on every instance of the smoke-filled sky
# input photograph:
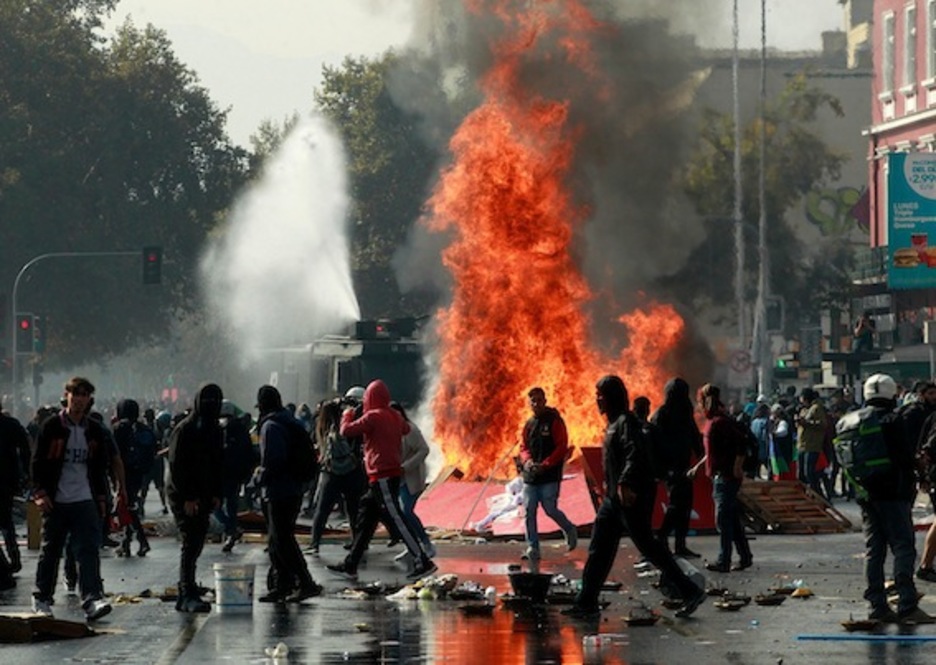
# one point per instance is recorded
(263, 59)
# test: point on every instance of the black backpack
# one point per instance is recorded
(137, 445)
(302, 457)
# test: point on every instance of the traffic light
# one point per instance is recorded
(24, 333)
(152, 265)
(39, 333)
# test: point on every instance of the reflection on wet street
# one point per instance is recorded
(341, 628)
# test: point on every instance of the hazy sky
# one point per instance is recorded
(263, 59)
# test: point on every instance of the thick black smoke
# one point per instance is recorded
(636, 134)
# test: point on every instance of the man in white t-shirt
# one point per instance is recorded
(70, 477)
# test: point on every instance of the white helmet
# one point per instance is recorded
(355, 392)
(880, 386)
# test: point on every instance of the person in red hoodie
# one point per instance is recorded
(382, 429)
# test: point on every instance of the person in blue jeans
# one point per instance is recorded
(543, 450)
(725, 451)
(70, 482)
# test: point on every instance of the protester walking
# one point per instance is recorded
(415, 452)
(193, 487)
(382, 429)
(628, 490)
(282, 491)
(680, 441)
(543, 450)
(725, 452)
(69, 487)
(340, 476)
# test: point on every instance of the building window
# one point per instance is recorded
(931, 39)
(910, 47)
(887, 56)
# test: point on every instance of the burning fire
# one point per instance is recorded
(518, 313)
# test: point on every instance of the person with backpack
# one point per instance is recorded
(629, 492)
(382, 429)
(725, 451)
(282, 476)
(879, 459)
(680, 440)
(193, 486)
(338, 477)
(137, 445)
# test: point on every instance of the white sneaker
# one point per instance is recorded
(42, 607)
(530, 554)
(402, 555)
(95, 609)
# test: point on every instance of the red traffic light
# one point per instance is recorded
(25, 324)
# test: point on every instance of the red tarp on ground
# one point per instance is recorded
(448, 504)
(703, 507)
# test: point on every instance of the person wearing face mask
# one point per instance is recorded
(194, 486)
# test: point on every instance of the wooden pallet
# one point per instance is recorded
(789, 506)
(29, 627)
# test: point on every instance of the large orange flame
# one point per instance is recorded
(517, 316)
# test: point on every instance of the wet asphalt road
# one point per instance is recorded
(333, 629)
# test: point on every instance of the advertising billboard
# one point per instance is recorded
(911, 220)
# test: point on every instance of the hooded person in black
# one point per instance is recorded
(193, 488)
(629, 492)
(679, 439)
(137, 445)
(283, 494)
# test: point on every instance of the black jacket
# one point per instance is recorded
(196, 452)
(900, 483)
(14, 455)
(679, 436)
(624, 451)
(50, 456)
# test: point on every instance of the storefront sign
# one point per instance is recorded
(911, 220)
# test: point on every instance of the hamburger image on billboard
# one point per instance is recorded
(906, 257)
(911, 220)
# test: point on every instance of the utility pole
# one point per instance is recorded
(760, 346)
(738, 190)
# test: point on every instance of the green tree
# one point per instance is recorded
(103, 147)
(797, 160)
(390, 166)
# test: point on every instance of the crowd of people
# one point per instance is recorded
(360, 453)
(89, 478)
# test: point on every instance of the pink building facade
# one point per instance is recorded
(903, 121)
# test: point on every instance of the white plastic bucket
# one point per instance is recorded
(234, 584)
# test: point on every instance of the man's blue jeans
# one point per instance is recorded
(728, 521)
(547, 496)
(889, 524)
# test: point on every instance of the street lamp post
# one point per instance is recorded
(13, 300)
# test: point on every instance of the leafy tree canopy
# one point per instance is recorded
(103, 147)
(797, 160)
